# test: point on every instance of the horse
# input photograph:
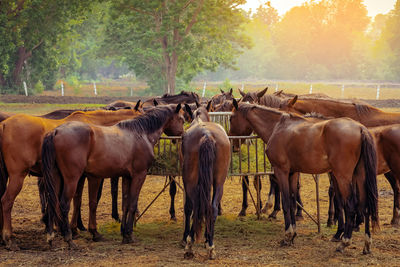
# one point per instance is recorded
(21, 138)
(206, 157)
(221, 98)
(298, 144)
(182, 97)
(76, 148)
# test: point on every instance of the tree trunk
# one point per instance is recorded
(171, 74)
(22, 55)
(2, 80)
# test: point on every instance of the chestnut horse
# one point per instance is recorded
(298, 144)
(21, 138)
(126, 149)
(221, 98)
(206, 157)
(182, 97)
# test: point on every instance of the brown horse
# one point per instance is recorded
(297, 144)
(125, 149)
(182, 97)
(21, 138)
(221, 98)
(206, 157)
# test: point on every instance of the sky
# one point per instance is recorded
(374, 6)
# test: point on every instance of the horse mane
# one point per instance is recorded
(246, 107)
(316, 115)
(363, 109)
(271, 101)
(149, 122)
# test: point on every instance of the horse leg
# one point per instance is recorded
(299, 213)
(126, 184)
(188, 234)
(114, 197)
(277, 203)
(217, 195)
(368, 238)
(7, 202)
(391, 177)
(283, 181)
(70, 185)
(271, 194)
(172, 193)
(94, 186)
(331, 209)
(293, 192)
(131, 206)
(244, 191)
(76, 220)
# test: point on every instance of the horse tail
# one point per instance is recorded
(50, 174)
(368, 155)
(202, 209)
(3, 168)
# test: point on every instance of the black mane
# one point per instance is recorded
(149, 122)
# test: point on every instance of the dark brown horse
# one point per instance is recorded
(21, 138)
(126, 149)
(182, 97)
(297, 144)
(206, 157)
(220, 98)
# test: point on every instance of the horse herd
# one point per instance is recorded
(350, 140)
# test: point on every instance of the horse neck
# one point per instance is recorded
(379, 117)
(263, 122)
(326, 108)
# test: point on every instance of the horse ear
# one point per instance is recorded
(137, 105)
(278, 93)
(208, 106)
(222, 91)
(260, 94)
(112, 108)
(292, 101)
(178, 107)
(235, 104)
(197, 104)
(189, 110)
(241, 92)
(231, 91)
(155, 102)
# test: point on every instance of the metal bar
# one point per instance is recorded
(316, 179)
(265, 163)
(151, 203)
(248, 156)
(251, 195)
(256, 155)
(257, 180)
(298, 204)
(240, 155)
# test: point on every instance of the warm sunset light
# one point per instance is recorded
(374, 7)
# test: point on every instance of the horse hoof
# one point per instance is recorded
(212, 255)
(335, 239)
(127, 239)
(82, 228)
(340, 249)
(242, 213)
(299, 218)
(173, 218)
(329, 224)
(183, 243)
(219, 212)
(75, 234)
(285, 243)
(12, 246)
(272, 216)
(188, 255)
(72, 245)
(98, 238)
(366, 251)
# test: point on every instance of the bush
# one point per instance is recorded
(38, 88)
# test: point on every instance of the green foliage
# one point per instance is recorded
(73, 81)
(39, 87)
(226, 85)
(164, 40)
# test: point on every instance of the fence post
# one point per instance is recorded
(62, 89)
(131, 91)
(311, 89)
(276, 88)
(95, 89)
(204, 89)
(342, 93)
(26, 89)
(377, 91)
(242, 86)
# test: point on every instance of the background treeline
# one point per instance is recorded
(169, 43)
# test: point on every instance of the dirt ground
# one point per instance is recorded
(239, 241)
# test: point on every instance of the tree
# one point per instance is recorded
(30, 27)
(391, 35)
(162, 40)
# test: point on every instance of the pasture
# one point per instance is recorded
(239, 241)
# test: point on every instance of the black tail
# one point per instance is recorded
(368, 155)
(3, 169)
(50, 173)
(202, 209)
